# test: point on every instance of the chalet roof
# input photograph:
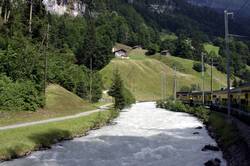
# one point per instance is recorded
(120, 50)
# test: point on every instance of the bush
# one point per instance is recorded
(152, 49)
(197, 66)
(129, 97)
(19, 96)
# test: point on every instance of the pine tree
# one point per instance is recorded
(116, 91)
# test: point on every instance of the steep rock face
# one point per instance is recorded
(159, 6)
(60, 7)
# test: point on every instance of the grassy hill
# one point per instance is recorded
(143, 75)
(211, 48)
(59, 102)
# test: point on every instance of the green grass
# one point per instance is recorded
(188, 76)
(59, 102)
(20, 141)
(142, 74)
(137, 54)
(211, 48)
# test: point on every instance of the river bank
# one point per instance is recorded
(230, 138)
(233, 138)
(21, 142)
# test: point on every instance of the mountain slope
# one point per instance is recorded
(143, 75)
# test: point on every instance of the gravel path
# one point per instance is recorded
(102, 108)
(142, 136)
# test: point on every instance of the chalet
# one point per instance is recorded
(165, 53)
(121, 53)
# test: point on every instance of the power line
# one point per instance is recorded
(242, 7)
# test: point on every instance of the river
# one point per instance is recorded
(143, 135)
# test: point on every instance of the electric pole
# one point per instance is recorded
(91, 80)
(226, 14)
(212, 64)
(30, 19)
(46, 59)
(175, 82)
(203, 91)
(163, 86)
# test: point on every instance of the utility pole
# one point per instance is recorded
(212, 64)
(46, 59)
(175, 82)
(163, 86)
(91, 79)
(203, 91)
(30, 19)
(226, 14)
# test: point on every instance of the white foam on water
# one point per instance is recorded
(143, 136)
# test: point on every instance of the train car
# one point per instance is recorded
(240, 99)
(217, 100)
(197, 98)
(184, 97)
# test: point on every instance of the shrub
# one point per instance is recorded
(17, 96)
(197, 66)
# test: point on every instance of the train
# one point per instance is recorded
(217, 100)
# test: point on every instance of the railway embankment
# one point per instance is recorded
(232, 137)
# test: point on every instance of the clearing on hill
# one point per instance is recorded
(143, 75)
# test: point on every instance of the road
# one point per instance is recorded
(142, 136)
(101, 108)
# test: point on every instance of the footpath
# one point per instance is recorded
(100, 109)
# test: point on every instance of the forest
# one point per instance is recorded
(38, 47)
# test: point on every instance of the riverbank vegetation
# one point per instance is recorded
(224, 132)
(21, 141)
(178, 106)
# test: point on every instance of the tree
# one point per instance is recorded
(116, 91)
(152, 49)
(184, 48)
(168, 45)
(197, 66)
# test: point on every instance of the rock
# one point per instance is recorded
(196, 133)
(199, 127)
(59, 145)
(210, 147)
(214, 162)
